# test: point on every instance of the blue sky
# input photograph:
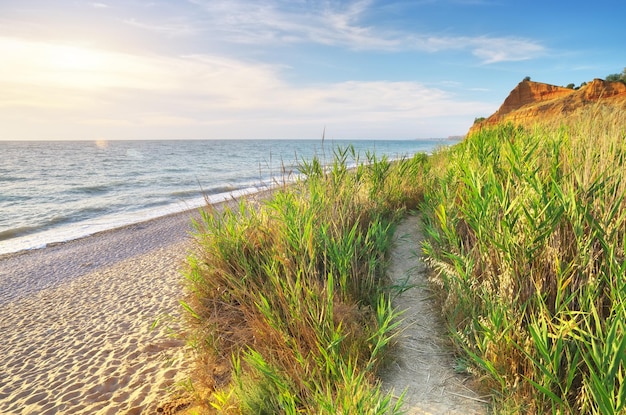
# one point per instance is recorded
(156, 69)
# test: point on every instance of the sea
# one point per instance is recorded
(55, 191)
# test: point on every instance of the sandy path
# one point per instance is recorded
(75, 322)
(423, 364)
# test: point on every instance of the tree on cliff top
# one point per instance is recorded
(614, 77)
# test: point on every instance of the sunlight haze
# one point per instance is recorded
(138, 69)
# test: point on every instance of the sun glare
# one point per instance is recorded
(65, 65)
(102, 144)
(73, 58)
(78, 66)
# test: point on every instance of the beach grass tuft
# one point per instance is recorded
(287, 301)
(527, 231)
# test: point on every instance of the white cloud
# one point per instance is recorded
(492, 50)
(53, 89)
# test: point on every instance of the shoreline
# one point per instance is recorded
(96, 225)
(27, 272)
(77, 318)
(64, 261)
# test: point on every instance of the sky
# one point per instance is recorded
(286, 69)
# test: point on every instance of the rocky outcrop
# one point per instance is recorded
(528, 92)
(599, 89)
(530, 102)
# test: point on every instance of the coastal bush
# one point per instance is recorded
(615, 77)
(527, 234)
(287, 298)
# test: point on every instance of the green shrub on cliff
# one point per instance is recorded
(617, 77)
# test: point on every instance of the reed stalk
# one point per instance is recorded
(288, 304)
(527, 233)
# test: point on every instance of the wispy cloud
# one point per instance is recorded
(493, 50)
(342, 25)
(172, 28)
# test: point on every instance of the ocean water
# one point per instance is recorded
(63, 190)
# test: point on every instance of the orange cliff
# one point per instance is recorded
(530, 102)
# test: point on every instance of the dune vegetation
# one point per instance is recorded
(289, 304)
(526, 230)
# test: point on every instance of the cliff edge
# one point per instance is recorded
(531, 102)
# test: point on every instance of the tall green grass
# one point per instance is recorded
(527, 232)
(287, 300)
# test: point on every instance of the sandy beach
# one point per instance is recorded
(76, 322)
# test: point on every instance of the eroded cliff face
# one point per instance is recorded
(599, 89)
(528, 92)
(530, 102)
